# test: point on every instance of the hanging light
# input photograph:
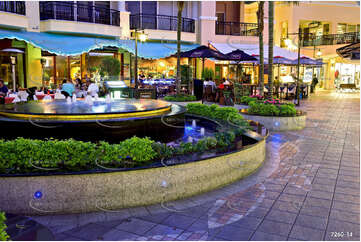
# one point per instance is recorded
(143, 37)
(319, 53)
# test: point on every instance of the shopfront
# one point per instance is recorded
(347, 73)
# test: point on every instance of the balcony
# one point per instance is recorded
(160, 22)
(12, 15)
(17, 7)
(236, 28)
(331, 39)
(79, 18)
(80, 12)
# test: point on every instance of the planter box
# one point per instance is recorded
(277, 123)
(82, 193)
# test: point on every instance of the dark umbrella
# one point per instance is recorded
(204, 52)
(238, 56)
(280, 60)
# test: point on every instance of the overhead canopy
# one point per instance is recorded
(239, 55)
(61, 44)
(351, 51)
(253, 49)
(304, 60)
(204, 52)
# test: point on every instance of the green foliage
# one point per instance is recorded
(247, 99)
(208, 73)
(110, 67)
(186, 73)
(216, 112)
(3, 235)
(266, 109)
(287, 110)
(180, 98)
(163, 150)
(71, 155)
(138, 149)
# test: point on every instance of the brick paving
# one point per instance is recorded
(308, 189)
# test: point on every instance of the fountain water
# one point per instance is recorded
(74, 98)
(202, 131)
(68, 100)
(194, 123)
(190, 139)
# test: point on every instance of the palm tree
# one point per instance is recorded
(270, 47)
(180, 5)
(260, 16)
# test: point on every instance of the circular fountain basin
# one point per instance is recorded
(114, 121)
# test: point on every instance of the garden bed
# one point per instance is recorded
(278, 123)
(149, 173)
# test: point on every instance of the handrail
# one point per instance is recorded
(17, 7)
(161, 22)
(327, 39)
(80, 12)
(236, 28)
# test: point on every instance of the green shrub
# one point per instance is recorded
(266, 109)
(211, 142)
(287, 110)
(180, 98)
(3, 235)
(208, 73)
(247, 99)
(163, 151)
(138, 149)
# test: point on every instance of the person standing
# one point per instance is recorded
(314, 83)
(3, 91)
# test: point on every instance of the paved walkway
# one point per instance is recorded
(308, 189)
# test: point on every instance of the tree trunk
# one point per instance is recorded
(180, 5)
(260, 16)
(270, 47)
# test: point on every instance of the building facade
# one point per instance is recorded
(325, 27)
(203, 22)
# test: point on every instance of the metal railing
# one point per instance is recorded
(162, 22)
(236, 28)
(81, 12)
(17, 7)
(331, 39)
(328, 39)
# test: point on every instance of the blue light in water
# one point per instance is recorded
(277, 123)
(38, 195)
(187, 127)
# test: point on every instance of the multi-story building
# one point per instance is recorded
(213, 23)
(325, 27)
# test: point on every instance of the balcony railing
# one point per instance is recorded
(80, 12)
(17, 7)
(161, 22)
(328, 39)
(331, 39)
(236, 28)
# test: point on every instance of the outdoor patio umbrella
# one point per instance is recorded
(204, 52)
(280, 60)
(238, 56)
(304, 60)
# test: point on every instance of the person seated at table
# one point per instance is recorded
(93, 88)
(3, 91)
(213, 84)
(225, 82)
(206, 82)
(67, 88)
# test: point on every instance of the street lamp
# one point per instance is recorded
(142, 37)
(298, 64)
(13, 52)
